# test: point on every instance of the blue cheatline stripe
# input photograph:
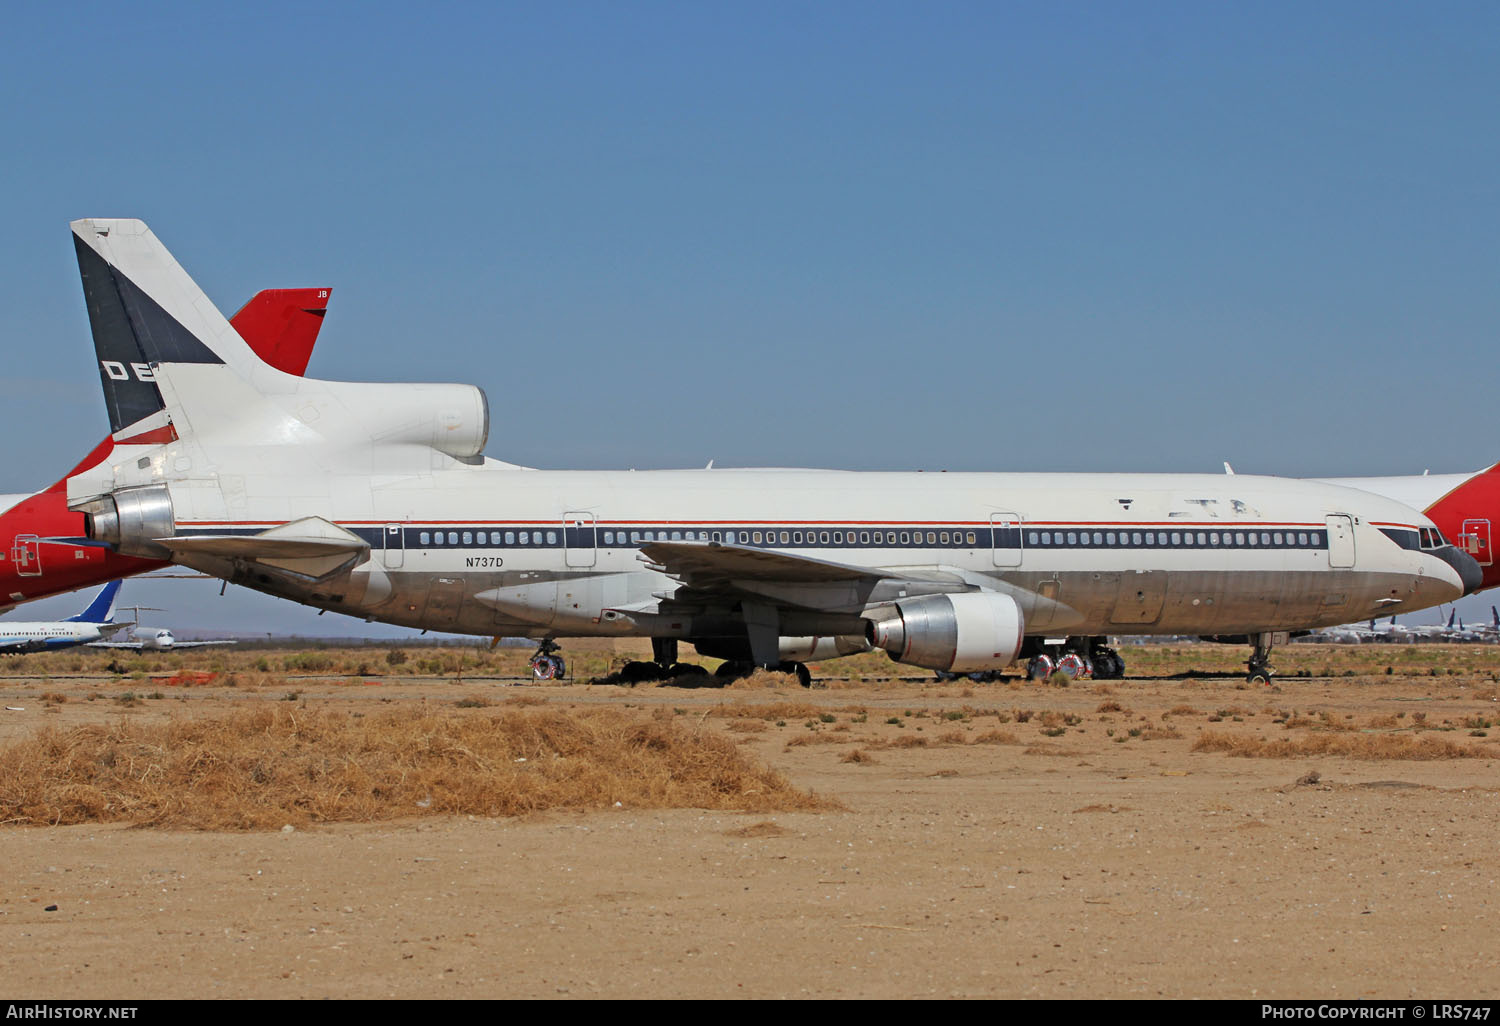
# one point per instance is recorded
(859, 537)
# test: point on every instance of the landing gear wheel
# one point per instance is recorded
(546, 664)
(686, 670)
(636, 672)
(1260, 677)
(1040, 667)
(1107, 664)
(804, 675)
(733, 669)
(1074, 665)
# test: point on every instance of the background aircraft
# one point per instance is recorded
(279, 324)
(375, 500)
(92, 625)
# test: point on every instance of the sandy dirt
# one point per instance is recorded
(1063, 856)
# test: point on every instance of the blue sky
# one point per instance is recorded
(997, 236)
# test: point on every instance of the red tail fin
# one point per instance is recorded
(281, 325)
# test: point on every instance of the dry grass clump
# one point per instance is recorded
(1353, 746)
(859, 755)
(905, 741)
(770, 711)
(265, 767)
(818, 738)
(762, 678)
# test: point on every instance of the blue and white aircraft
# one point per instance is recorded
(94, 624)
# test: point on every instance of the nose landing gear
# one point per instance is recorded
(1259, 666)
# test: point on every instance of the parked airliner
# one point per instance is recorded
(94, 624)
(374, 500)
(39, 550)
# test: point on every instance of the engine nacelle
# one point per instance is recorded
(815, 648)
(453, 419)
(962, 633)
(131, 520)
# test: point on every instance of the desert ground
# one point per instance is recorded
(1175, 834)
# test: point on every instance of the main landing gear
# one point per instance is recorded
(1078, 657)
(546, 664)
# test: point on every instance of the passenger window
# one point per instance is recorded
(864, 537)
(1239, 538)
(944, 537)
(1135, 538)
(729, 537)
(1276, 537)
(1213, 537)
(525, 538)
(426, 538)
(510, 537)
(1265, 539)
(1150, 538)
(468, 538)
(1252, 538)
(903, 538)
(1031, 538)
(890, 537)
(796, 537)
(823, 537)
(677, 536)
(716, 536)
(1046, 537)
(1109, 537)
(972, 537)
(1200, 537)
(838, 537)
(785, 537)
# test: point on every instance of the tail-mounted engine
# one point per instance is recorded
(131, 519)
(962, 633)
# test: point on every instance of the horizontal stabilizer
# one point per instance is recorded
(310, 547)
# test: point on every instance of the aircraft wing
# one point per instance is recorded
(718, 567)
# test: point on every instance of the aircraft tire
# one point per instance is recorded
(804, 675)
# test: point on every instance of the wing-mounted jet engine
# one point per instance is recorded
(962, 633)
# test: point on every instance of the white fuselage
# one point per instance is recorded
(490, 549)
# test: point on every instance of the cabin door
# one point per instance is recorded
(1476, 541)
(580, 539)
(1340, 541)
(27, 555)
(1005, 538)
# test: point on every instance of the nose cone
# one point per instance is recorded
(1466, 566)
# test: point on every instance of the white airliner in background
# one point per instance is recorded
(155, 639)
(374, 500)
(94, 624)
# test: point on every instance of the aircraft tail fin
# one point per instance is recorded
(102, 609)
(282, 325)
(145, 312)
